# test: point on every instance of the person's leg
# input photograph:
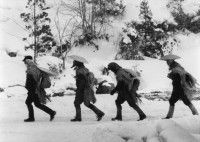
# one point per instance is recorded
(97, 111)
(28, 102)
(138, 110)
(88, 98)
(174, 98)
(44, 108)
(188, 103)
(133, 91)
(193, 109)
(78, 114)
(170, 112)
(77, 103)
(120, 100)
(132, 103)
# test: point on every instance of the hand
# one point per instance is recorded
(169, 75)
(112, 92)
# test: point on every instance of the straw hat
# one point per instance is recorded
(78, 58)
(170, 57)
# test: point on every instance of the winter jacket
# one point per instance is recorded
(181, 78)
(33, 80)
(82, 87)
(125, 80)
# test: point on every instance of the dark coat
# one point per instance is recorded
(83, 89)
(33, 80)
(125, 83)
(128, 84)
(182, 80)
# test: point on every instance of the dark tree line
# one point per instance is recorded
(148, 39)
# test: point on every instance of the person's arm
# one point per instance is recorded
(80, 79)
(30, 83)
(117, 88)
(170, 75)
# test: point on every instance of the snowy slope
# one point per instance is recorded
(184, 127)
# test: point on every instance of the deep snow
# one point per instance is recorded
(184, 127)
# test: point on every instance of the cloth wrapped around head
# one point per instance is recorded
(77, 64)
(114, 67)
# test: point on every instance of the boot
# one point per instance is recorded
(30, 113)
(139, 111)
(170, 112)
(78, 115)
(52, 115)
(119, 114)
(97, 111)
(193, 109)
(142, 117)
(29, 120)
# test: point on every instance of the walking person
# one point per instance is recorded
(33, 76)
(183, 85)
(127, 85)
(84, 92)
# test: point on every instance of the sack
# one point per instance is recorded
(134, 84)
(190, 80)
(45, 80)
(132, 73)
(91, 80)
(135, 79)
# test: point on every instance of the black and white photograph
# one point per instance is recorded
(99, 70)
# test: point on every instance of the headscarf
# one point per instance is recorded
(77, 64)
(114, 67)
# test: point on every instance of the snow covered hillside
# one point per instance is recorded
(153, 71)
(183, 127)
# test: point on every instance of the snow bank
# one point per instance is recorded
(160, 131)
(169, 131)
(115, 133)
(12, 71)
(187, 125)
(16, 91)
(176, 130)
(102, 135)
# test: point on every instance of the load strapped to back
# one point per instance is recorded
(45, 81)
(91, 80)
(134, 84)
(135, 79)
(132, 73)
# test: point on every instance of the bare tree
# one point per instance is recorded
(67, 32)
(88, 13)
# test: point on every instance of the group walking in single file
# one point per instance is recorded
(127, 84)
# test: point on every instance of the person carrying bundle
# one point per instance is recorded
(35, 92)
(85, 81)
(127, 85)
(184, 84)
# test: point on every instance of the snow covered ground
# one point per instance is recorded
(184, 127)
